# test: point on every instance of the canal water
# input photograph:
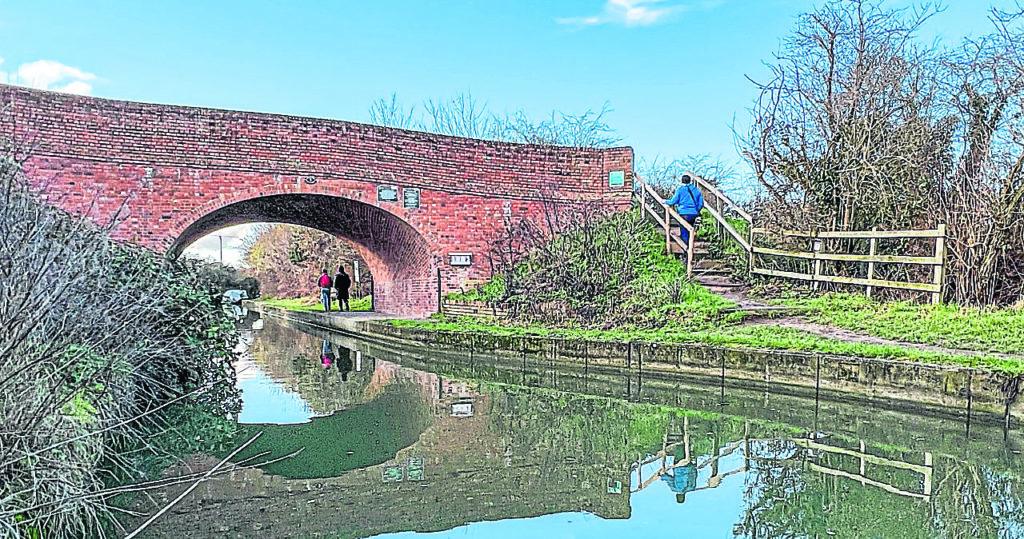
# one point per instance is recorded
(388, 443)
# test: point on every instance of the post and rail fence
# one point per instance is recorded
(719, 206)
(816, 256)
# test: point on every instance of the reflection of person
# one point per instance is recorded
(344, 363)
(689, 201)
(682, 480)
(325, 290)
(325, 355)
(342, 282)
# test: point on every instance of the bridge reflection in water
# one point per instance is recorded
(603, 452)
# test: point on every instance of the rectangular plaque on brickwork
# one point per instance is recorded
(387, 193)
(411, 198)
(460, 259)
(392, 474)
(415, 470)
(616, 178)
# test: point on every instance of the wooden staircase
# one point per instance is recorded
(714, 274)
(717, 275)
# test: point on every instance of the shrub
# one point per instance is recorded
(92, 335)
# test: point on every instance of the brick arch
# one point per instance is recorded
(400, 258)
(156, 170)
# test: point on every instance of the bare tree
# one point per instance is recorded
(460, 116)
(983, 197)
(843, 135)
(464, 116)
(586, 130)
(664, 175)
(390, 113)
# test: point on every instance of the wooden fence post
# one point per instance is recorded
(691, 238)
(871, 265)
(928, 476)
(816, 248)
(718, 225)
(750, 254)
(668, 233)
(939, 276)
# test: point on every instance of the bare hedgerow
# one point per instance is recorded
(982, 199)
(844, 134)
(861, 125)
(96, 338)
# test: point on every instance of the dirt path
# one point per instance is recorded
(762, 317)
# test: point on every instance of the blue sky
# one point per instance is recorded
(672, 70)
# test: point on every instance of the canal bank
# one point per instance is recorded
(979, 394)
(607, 452)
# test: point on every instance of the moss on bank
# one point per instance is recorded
(762, 336)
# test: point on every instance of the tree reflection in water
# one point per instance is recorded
(532, 448)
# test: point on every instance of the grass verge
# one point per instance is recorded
(313, 303)
(950, 326)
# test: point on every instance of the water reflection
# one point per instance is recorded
(468, 443)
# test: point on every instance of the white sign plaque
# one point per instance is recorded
(460, 259)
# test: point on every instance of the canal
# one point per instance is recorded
(357, 440)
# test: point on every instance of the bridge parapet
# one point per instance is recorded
(169, 174)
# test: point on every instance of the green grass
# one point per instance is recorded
(766, 336)
(492, 290)
(951, 326)
(361, 304)
(313, 303)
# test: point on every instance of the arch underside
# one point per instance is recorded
(397, 254)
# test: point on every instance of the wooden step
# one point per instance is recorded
(697, 272)
(678, 249)
(721, 282)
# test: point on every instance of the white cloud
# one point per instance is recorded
(636, 12)
(75, 87)
(50, 75)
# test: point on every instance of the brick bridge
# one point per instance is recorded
(407, 201)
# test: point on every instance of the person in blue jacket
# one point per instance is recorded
(688, 201)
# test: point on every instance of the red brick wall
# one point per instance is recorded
(170, 174)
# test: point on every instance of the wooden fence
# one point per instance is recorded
(816, 256)
(717, 204)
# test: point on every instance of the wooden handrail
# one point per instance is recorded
(704, 184)
(862, 234)
(654, 194)
(666, 222)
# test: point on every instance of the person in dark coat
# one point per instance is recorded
(342, 282)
